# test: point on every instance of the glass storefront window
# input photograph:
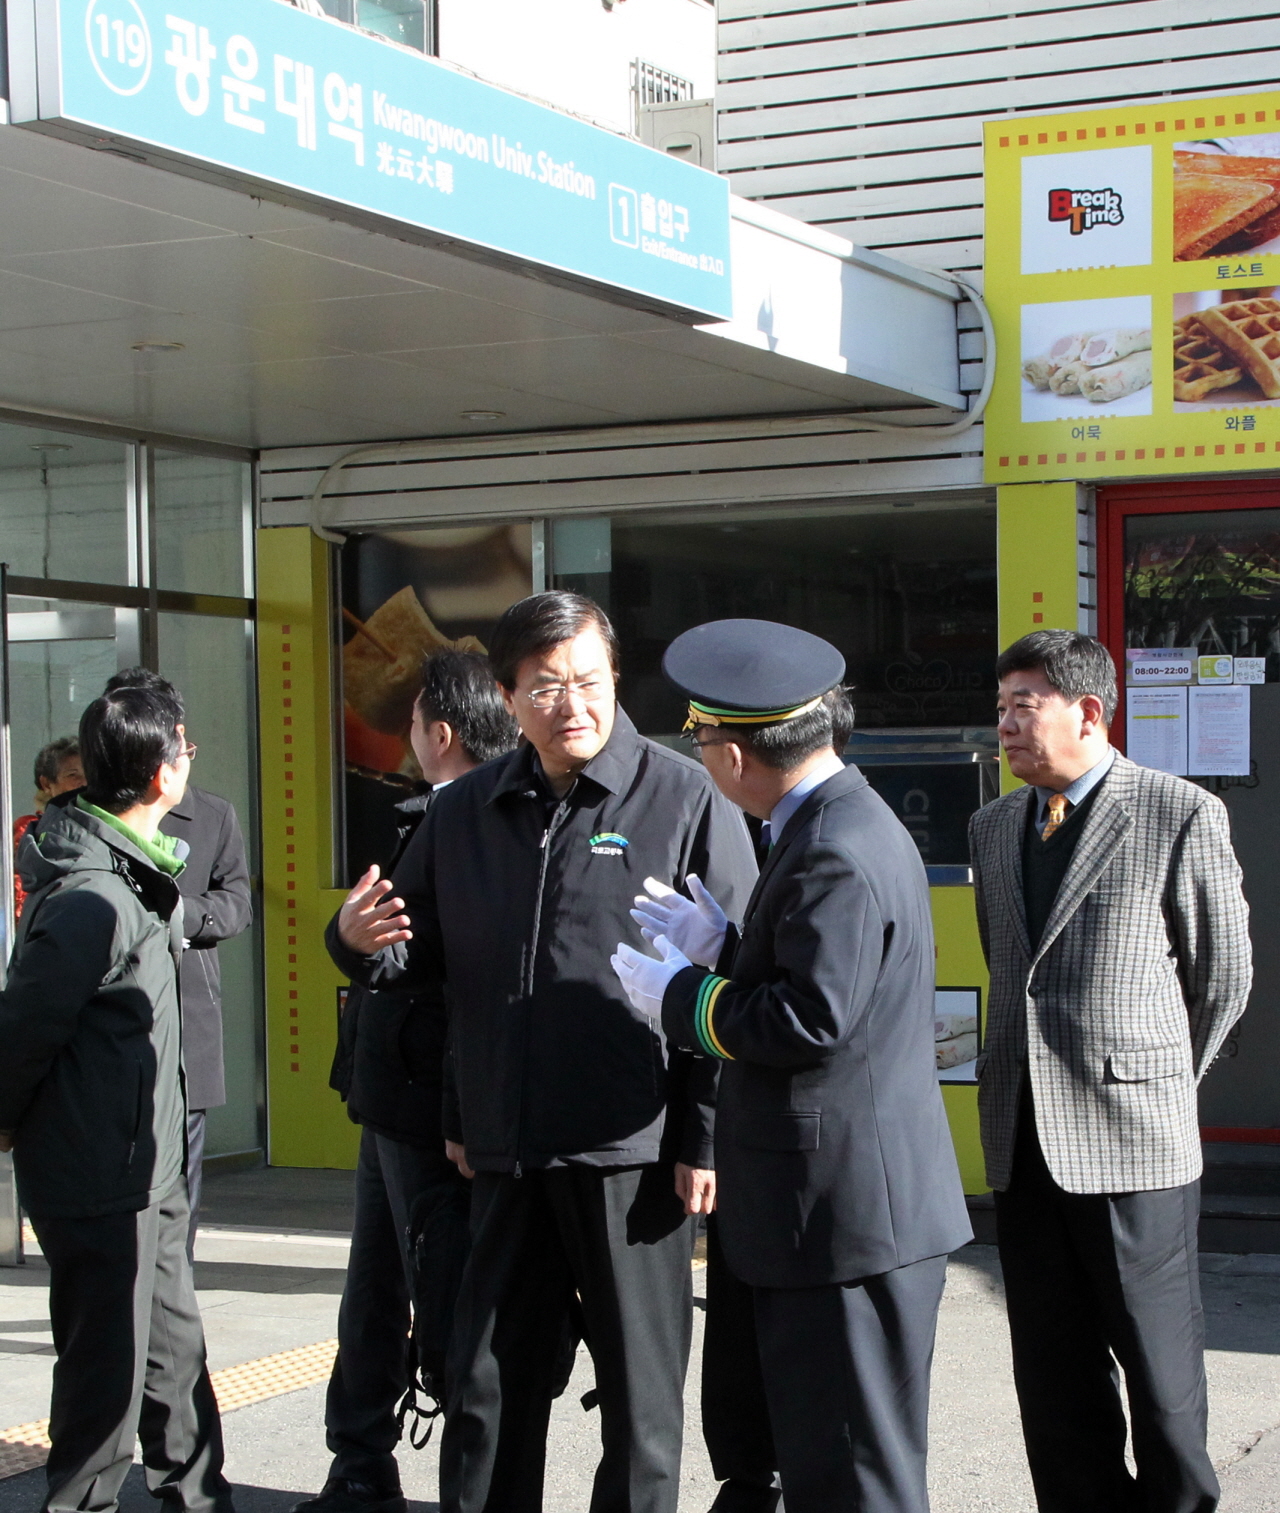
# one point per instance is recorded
(404, 21)
(404, 595)
(200, 523)
(63, 501)
(1208, 579)
(907, 594)
(51, 681)
(209, 659)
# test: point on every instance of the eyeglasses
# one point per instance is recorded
(589, 690)
(189, 750)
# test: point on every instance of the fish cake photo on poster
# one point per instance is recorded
(1085, 358)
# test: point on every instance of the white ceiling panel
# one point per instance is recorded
(298, 329)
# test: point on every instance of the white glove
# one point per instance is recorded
(696, 928)
(644, 980)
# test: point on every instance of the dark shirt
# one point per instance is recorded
(1045, 863)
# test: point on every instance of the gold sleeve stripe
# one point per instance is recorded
(706, 1029)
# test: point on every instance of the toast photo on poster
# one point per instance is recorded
(1226, 197)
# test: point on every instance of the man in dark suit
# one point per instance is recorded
(216, 905)
(1111, 915)
(838, 1196)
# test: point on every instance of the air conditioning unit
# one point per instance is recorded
(684, 128)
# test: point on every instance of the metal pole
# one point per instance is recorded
(10, 1214)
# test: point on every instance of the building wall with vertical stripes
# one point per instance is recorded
(866, 118)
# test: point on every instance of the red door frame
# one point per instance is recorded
(1114, 505)
(1118, 502)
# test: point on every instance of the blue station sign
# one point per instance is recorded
(261, 96)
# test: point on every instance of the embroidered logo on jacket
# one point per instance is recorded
(608, 843)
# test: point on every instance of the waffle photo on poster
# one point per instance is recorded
(1226, 350)
(1086, 358)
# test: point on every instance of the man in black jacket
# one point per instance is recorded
(91, 1099)
(589, 1146)
(389, 1068)
(216, 905)
(839, 1196)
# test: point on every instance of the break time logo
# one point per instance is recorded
(1086, 208)
(608, 843)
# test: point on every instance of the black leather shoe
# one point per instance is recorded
(745, 1497)
(341, 1495)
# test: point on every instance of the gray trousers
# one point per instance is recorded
(195, 1174)
(131, 1362)
(846, 1374)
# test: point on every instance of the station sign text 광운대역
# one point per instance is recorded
(272, 96)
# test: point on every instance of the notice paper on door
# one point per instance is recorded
(1156, 728)
(1218, 731)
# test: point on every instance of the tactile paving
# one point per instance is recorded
(26, 1446)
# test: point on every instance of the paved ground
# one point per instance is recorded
(266, 1288)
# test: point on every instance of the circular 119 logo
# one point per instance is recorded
(119, 43)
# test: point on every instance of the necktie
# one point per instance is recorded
(1057, 813)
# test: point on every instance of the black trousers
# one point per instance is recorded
(374, 1361)
(846, 1374)
(195, 1174)
(1092, 1281)
(619, 1237)
(131, 1362)
(735, 1416)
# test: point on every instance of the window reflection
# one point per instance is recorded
(1209, 580)
(907, 594)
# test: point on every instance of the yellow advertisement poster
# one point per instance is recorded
(1133, 274)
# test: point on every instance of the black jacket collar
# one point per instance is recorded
(186, 809)
(612, 767)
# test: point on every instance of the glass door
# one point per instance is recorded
(1185, 566)
(55, 657)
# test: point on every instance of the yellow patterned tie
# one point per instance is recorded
(1057, 813)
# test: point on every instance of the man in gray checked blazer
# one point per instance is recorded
(1117, 938)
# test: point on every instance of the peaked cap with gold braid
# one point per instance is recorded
(750, 672)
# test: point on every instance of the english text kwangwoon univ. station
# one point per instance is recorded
(330, 329)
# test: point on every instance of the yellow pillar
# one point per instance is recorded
(306, 1121)
(1037, 564)
(1036, 530)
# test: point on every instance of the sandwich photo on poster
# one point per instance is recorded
(1226, 350)
(1085, 358)
(1226, 199)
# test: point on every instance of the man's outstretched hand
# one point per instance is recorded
(369, 920)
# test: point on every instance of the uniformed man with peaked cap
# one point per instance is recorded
(839, 1197)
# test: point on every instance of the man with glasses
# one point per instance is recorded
(217, 905)
(590, 1147)
(91, 1102)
